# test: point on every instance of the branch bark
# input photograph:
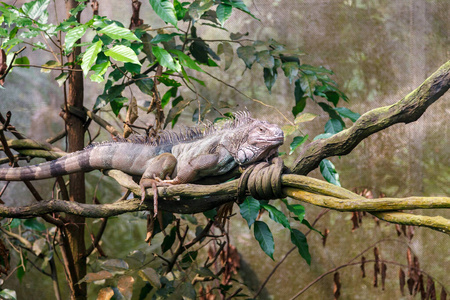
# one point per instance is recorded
(407, 110)
(199, 198)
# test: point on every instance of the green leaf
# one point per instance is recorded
(117, 104)
(165, 10)
(223, 12)
(90, 56)
(176, 110)
(290, 70)
(210, 214)
(188, 258)
(300, 100)
(180, 11)
(15, 223)
(289, 129)
(123, 53)
(171, 93)
(331, 112)
(305, 117)
(333, 97)
(187, 290)
(237, 35)
(198, 8)
(62, 78)
(347, 113)
(249, 210)
(20, 273)
(49, 65)
(329, 172)
(185, 60)
(163, 38)
(35, 9)
(205, 272)
(168, 81)
(22, 61)
(299, 240)
(265, 59)
(34, 224)
(144, 83)
(297, 209)
(227, 50)
(316, 69)
(165, 59)
(116, 32)
(277, 215)
(239, 4)
(8, 294)
(73, 35)
(307, 83)
(264, 238)
(322, 136)
(333, 126)
(99, 71)
(298, 140)
(306, 223)
(199, 51)
(247, 54)
(77, 9)
(270, 77)
(11, 42)
(169, 240)
(132, 68)
(109, 94)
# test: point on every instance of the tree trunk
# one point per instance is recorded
(75, 136)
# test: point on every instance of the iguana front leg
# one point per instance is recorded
(160, 167)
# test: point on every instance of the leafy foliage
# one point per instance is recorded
(161, 63)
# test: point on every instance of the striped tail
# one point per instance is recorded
(72, 163)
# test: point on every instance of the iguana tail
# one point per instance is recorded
(68, 164)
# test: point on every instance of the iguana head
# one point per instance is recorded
(260, 141)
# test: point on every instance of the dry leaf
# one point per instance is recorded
(398, 229)
(105, 294)
(383, 275)
(337, 286)
(410, 233)
(363, 269)
(401, 277)
(125, 286)
(431, 290)
(355, 221)
(90, 277)
(325, 236)
(411, 283)
(443, 294)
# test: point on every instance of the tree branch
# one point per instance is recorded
(407, 110)
(199, 198)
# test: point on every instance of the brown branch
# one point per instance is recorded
(204, 197)
(407, 110)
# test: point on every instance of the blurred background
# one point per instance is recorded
(379, 51)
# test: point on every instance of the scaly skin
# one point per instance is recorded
(177, 159)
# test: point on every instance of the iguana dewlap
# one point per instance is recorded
(185, 157)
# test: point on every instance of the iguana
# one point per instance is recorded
(175, 158)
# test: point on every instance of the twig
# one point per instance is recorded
(11, 64)
(320, 215)
(248, 97)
